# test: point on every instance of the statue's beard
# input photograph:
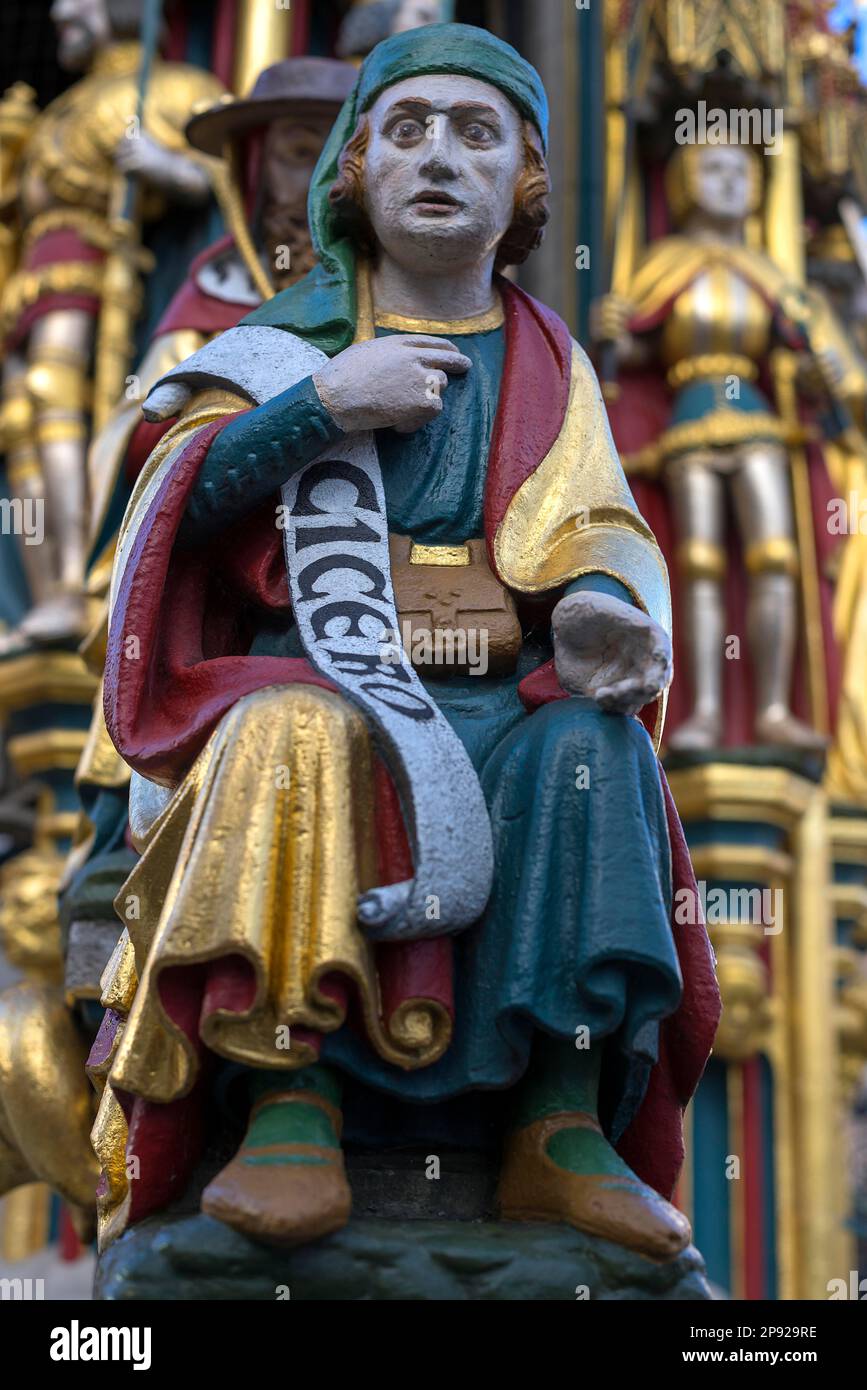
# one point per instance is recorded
(287, 239)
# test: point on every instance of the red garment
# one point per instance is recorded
(190, 308)
(193, 307)
(63, 246)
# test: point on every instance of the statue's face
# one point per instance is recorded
(413, 14)
(440, 171)
(82, 27)
(292, 147)
(723, 183)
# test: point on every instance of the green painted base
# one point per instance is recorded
(195, 1257)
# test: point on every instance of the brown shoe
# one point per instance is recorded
(283, 1194)
(620, 1209)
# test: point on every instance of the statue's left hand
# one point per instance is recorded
(608, 650)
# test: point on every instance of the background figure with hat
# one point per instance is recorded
(281, 943)
(267, 145)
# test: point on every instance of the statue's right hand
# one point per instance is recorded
(394, 382)
(609, 319)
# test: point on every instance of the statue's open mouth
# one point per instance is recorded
(432, 202)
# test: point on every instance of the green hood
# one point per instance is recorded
(322, 306)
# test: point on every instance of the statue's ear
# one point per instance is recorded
(533, 138)
(531, 202)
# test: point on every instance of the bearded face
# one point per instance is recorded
(292, 147)
(83, 27)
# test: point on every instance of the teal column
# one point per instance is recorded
(590, 283)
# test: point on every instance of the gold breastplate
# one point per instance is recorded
(719, 314)
(69, 158)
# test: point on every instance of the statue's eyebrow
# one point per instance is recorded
(474, 108)
(408, 106)
(421, 107)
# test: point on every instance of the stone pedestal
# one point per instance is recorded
(410, 1238)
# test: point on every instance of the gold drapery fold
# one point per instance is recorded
(261, 854)
(203, 408)
(670, 263)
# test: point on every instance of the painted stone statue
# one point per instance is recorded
(705, 312)
(62, 373)
(384, 615)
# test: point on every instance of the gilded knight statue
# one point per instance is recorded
(67, 312)
(705, 313)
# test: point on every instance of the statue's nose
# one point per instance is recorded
(437, 161)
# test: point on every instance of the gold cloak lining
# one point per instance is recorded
(575, 515)
(261, 853)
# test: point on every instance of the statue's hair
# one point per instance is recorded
(681, 176)
(364, 27)
(125, 17)
(524, 234)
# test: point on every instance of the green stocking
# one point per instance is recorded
(297, 1122)
(563, 1079)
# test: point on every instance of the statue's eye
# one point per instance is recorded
(407, 131)
(478, 134)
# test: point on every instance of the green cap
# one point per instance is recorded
(322, 307)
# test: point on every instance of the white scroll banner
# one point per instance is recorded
(335, 532)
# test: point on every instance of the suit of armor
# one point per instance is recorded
(708, 310)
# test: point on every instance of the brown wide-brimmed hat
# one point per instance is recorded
(307, 87)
